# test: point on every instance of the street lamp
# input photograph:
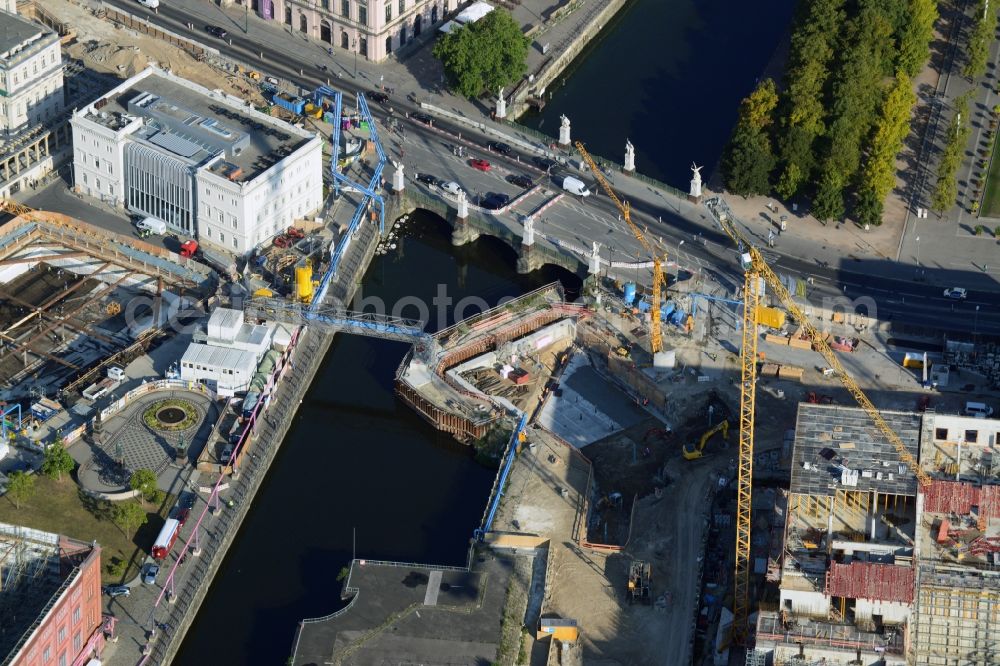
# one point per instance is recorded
(918, 255)
(246, 16)
(354, 45)
(975, 326)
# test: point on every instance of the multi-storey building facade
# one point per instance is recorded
(372, 29)
(31, 74)
(206, 163)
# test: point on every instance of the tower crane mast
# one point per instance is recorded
(655, 335)
(756, 271)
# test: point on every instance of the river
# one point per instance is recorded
(667, 75)
(357, 461)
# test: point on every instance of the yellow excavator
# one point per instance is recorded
(722, 426)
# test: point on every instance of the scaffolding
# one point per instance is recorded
(30, 575)
(957, 616)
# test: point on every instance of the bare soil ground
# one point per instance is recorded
(106, 48)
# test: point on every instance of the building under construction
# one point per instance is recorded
(50, 598)
(876, 568)
(72, 295)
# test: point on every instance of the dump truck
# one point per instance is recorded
(638, 582)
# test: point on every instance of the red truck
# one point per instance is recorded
(166, 539)
(188, 248)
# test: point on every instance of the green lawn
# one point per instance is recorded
(63, 508)
(991, 196)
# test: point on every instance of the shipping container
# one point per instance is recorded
(770, 317)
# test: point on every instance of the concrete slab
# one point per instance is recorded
(588, 408)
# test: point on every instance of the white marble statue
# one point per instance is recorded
(695, 190)
(629, 156)
(564, 135)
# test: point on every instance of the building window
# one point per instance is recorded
(234, 220)
(363, 19)
(47, 655)
(940, 433)
(402, 7)
(76, 615)
(234, 242)
(303, 23)
(345, 9)
(388, 11)
(363, 46)
(208, 231)
(971, 436)
(222, 217)
(222, 237)
(62, 634)
(325, 4)
(62, 658)
(288, 14)
(77, 642)
(388, 45)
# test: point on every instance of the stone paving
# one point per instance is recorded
(127, 436)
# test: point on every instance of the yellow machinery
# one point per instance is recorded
(14, 208)
(655, 335)
(722, 426)
(304, 282)
(639, 574)
(757, 273)
(263, 292)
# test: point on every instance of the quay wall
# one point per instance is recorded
(551, 69)
(309, 353)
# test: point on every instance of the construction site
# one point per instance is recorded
(76, 297)
(44, 578)
(694, 491)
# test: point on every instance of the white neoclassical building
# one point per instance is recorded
(31, 73)
(208, 164)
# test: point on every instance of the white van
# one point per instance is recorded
(574, 186)
(980, 410)
(151, 4)
(152, 225)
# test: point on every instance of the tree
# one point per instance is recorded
(143, 480)
(748, 161)
(878, 174)
(57, 461)
(20, 487)
(915, 36)
(129, 516)
(946, 187)
(485, 55)
(980, 38)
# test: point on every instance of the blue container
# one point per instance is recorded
(629, 293)
(668, 307)
(643, 306)
(678, 317)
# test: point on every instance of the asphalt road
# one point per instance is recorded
(429, 150)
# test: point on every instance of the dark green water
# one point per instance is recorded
(357, 457)
(669, 76)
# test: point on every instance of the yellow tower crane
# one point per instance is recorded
(655, 335)
(757, 273)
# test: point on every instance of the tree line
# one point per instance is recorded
(833, 131)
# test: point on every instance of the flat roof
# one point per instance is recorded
(830, 439)
(225, 319)
(474, 12)
(14, 32)
(211, 356)
(195, 125)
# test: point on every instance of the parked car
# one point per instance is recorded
(495, 201)
(378, 97)
(521, 181)
(544, 163)
(421, 118)
(426, 179)
(282, 241)
(499, 147)
(956, 293)
(117, 591)
(149, 573)
(451, 187)
(481, 164)
(216, 31)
